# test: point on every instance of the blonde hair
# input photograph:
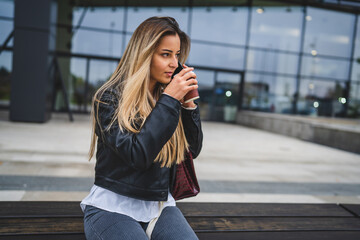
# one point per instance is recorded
(131, 79)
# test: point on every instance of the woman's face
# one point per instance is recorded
(165, 60)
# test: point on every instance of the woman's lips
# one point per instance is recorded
(169, 74)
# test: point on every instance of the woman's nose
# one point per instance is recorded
(174, 62)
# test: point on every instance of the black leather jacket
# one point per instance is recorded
(125, 161)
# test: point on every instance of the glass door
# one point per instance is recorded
(227, 96)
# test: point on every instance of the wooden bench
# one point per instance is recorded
(64, 220)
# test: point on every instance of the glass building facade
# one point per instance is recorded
(291, 57)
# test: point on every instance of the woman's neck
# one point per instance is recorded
(152, 85)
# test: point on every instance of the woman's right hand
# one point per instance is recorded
(182, 83)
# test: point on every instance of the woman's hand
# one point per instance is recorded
(182, 83)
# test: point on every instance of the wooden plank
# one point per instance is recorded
(41, 225)
(320, 235)
(45, 237)
(353, 208)
(199, 224)
(262, 209)
(204, 224)
(31, 209)
(47, 209)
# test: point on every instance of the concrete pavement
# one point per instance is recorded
(237, 164)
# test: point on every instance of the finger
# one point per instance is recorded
(185, 71)
(192, 87)
(192, 81)
(190, 75)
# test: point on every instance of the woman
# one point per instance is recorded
(143, 129)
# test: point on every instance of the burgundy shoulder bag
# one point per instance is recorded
(185, 184)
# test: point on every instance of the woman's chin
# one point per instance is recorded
(165, 81)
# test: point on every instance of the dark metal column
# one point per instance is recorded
(298, 74)
(34, 38)
(348, 82)
(241, 91)
(246, 51)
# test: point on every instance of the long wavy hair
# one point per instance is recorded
(131, 79)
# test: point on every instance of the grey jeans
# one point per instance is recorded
(104, 225)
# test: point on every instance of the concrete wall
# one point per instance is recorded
(317, 130)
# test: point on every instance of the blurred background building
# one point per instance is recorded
(287, 57)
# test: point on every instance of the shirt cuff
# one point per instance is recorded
(187, 108)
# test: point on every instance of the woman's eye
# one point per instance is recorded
(177, 55)
(165, 54)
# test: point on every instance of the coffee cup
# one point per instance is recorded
(191, 96)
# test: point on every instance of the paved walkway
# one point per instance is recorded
(237, 164)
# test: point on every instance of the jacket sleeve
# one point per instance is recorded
(192, 128)
(138, 150)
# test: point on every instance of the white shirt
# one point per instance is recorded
(140, 210)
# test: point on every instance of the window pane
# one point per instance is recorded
(269, 93)
(100, 17)
(355, 74)
(216, 56)
(329, 32)
(97, 43)
(6, 8)
(138, 15)
(321, 98)
(205, 78)
(77, 86)
(323, 67)
(354, 104)
(276, 27)
(227, 89)
(344, 2)
(226, 97)
(5, 77)
(6, 27)
(268, 61)
(206, 84)
(231, 78)
(100, 72)
(357, 41)
(210, 24)
(355, 92)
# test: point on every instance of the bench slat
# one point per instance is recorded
(274, 224)
(262, 209)
(353, 208)
(199, 224)
(45, 237)
(41, 225)
(320, 235)
(64, 220)
(31, 209)
(47, 209)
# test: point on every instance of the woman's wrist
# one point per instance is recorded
(190, 104)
